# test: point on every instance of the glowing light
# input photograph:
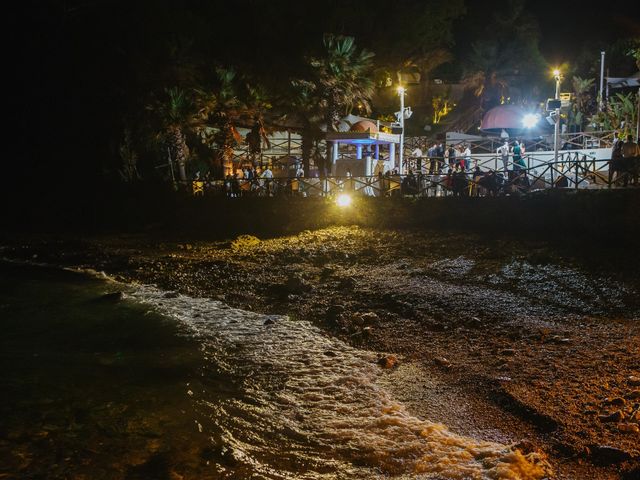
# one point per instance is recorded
(556, 72)
(530, 120)
(401, 90)
(343, 200)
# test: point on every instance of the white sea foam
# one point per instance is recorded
(312, 407)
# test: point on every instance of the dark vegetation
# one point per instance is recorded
(102, 92)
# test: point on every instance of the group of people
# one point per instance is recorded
(248, 176)
(457, 158)
(625, 161)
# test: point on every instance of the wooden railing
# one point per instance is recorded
(485, 176)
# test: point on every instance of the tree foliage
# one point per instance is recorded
(619, 113)
(342, 77)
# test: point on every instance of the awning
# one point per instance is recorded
(624, 82)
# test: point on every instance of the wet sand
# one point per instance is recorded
(498, 338)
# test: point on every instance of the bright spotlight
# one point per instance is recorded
(401, 90)
(556, 72)
(530, 120)
(343, 200)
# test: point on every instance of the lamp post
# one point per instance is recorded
(601, 100)
(558, 77)
(401, 92)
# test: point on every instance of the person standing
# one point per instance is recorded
(451, 157)
(440, 157)
(431, 153)
(518, 163)
(503, 154)
(631, 159)
(616, 140)
(466, 154)
(267, 175)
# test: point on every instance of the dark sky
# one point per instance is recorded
(568, 25)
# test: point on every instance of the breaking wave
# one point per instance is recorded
(304, 405)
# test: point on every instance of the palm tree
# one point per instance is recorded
(488, 74)
(222, 110)
(304, 102)
(231, 103)
(343, 78)
(177, 113)
(257, 105)
(582, 98)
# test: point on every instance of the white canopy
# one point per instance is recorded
(624, 82)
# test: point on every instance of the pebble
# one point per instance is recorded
(388, 361)
(634, 395)
(616, 416)
(634, 381)
(370, 318)
(474, 322)
(629, 428)
(617, 401)
(443, 362)
(607, 455)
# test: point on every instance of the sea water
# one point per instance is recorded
(105, 380)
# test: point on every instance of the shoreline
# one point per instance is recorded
(458, 311)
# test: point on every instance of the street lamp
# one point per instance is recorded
(401, 92)
(558, 76)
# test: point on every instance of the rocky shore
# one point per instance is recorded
(510, 340)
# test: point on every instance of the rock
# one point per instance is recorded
(370, 318)
(330, 353)
(634, 381)
(334, 312)
(616, 416)
(559, 339)
(617, 401)
(171, 295)
(269, 321)
(634, 395)
(507, 351)
(245, 242)
(526, 447)
(388, 361)
(347, 283)
(295, 284)
(606, 455)
(442, 362)
(110, 297)
(629, 428)
(474, 322)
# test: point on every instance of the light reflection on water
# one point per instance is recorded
(160, 385)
